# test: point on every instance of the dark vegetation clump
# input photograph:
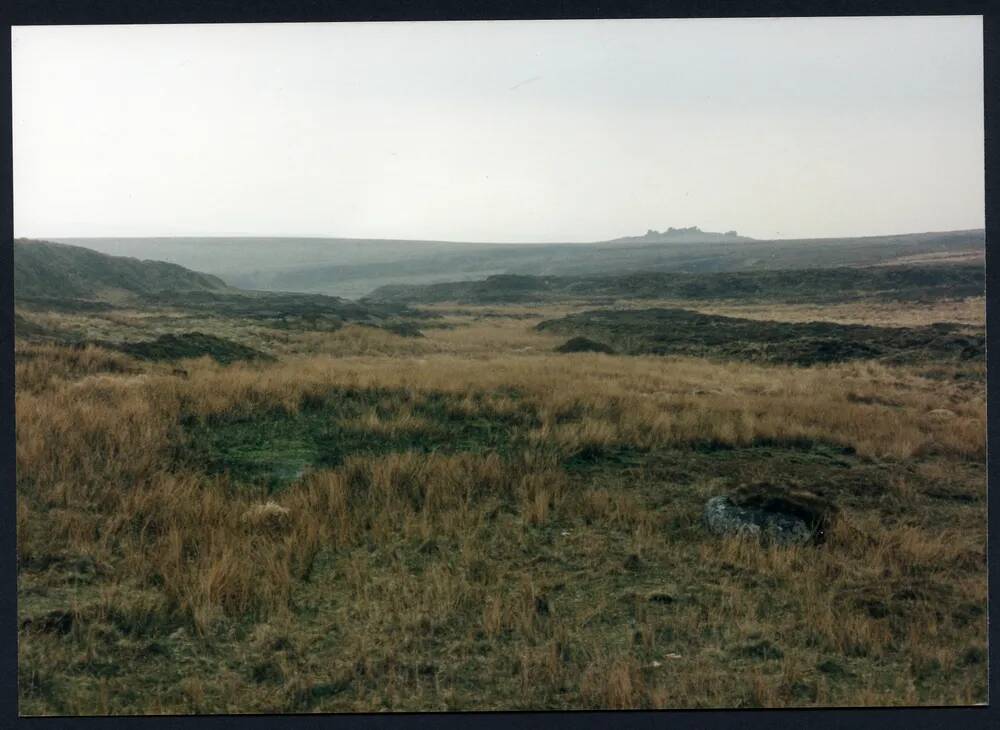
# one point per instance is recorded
(284, 309)
(188, 344)
(403, 329)
(584, 344)
(672, 331)
(817, 512)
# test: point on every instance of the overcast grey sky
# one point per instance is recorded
(500, 131)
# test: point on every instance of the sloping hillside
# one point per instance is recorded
(354, 267)
(927, 282)
(43, 270)
(56, 278)
(575, 259)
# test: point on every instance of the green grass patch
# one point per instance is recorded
(275, 447)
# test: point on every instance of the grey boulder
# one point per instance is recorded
(772, 515)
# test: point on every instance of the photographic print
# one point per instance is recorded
(500, 365)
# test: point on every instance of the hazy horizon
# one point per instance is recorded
(319, 236)
(500, 131)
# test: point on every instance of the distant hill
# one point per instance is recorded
(60, 277)
(911, 282)
(355, 267)
(43, 269)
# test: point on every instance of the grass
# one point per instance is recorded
(277, 446)
(202, 537)
(970, 311)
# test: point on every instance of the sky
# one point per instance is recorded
(513, 131)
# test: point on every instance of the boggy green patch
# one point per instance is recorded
(274, 447)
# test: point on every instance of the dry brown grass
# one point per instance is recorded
(970, 311)
(383, 579)
(354, 340)
(38, 365)
(613, 685)
(649, 401)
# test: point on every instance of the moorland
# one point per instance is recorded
(487, 494)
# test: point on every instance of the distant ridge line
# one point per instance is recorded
(324, 237)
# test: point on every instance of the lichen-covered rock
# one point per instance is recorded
(770, 514)
(722, 517)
